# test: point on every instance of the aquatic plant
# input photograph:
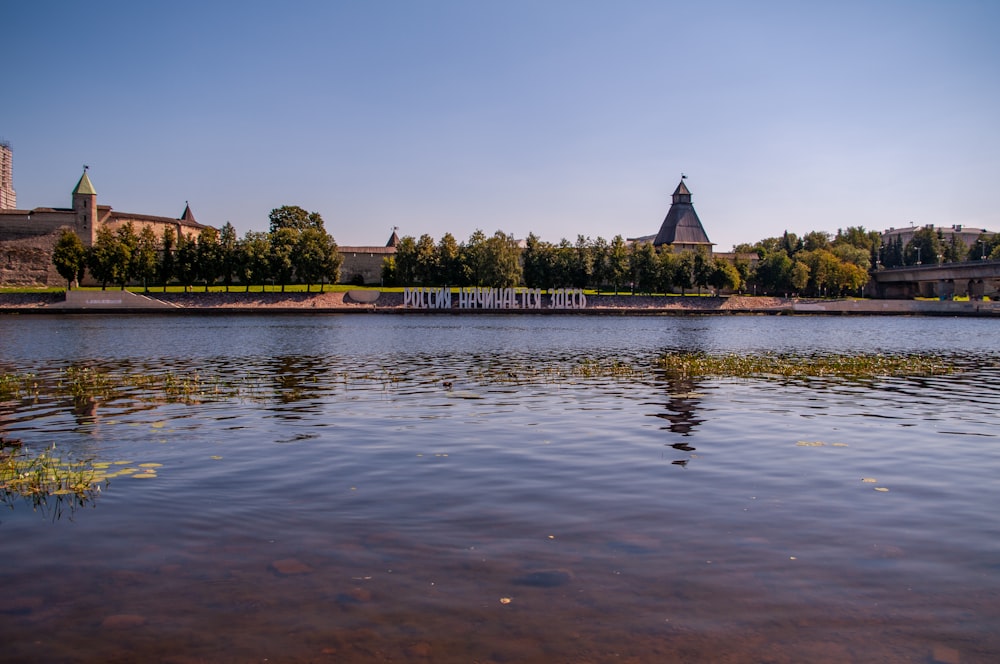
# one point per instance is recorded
(860, 365)
(39, 478)
(13, 386)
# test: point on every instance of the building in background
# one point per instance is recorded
(8, 198)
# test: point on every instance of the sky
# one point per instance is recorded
(557, 117)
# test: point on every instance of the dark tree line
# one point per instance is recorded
(499, 261)
(297, 249)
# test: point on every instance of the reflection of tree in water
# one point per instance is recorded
(297, 378)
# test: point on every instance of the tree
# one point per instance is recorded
(427, 270)
(618, 267)
(666, 270)
(848, 253)
(923, 247)
(316, 258)
(563, 264)
(130, 243)
(282, 264)
(145, 258)
(798, 276)
(389, 271)
(473, 253)
(295, 218)
(702, 268)
(684, 268)
(406, 261)
(583, 263)
(599, 256)
(724, 276)
(448, 258)
(332, 262)
(644, 266)
(209, 256)
(228, 254)
(186, 261)
(108, 258)
(70, 257)
(955, 250)
(814, 240)
(502, 261)
(774, 272)
(538, 257)
(253, 263)
(167, 256)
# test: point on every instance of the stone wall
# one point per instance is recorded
(28, 261)
(21, 224)
(365, 262)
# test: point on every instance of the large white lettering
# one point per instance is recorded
(476, 297)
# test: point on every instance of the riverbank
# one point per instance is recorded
(115, 301)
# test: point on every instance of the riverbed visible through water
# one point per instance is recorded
(375, 488)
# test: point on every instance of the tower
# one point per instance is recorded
(8, 198)
(682, 229)
(85, 206)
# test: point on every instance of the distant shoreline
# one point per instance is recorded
(234, 302)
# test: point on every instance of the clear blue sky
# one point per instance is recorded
(559, 117)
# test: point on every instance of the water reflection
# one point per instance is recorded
(682, 406)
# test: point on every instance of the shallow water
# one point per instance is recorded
(376, 488)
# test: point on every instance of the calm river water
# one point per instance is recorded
(502, 489)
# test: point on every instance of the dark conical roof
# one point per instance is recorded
(188, 215)
(393, 240)
(681, 225)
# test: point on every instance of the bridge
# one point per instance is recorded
(976, 279)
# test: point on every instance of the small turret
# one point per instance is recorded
(85, 206)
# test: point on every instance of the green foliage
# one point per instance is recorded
(69, 257)
(229, 254)
(166, 265)
(186, 261)
(282, 264)
(644, 266)
(923, 248)
(108, 258)
(618, 262)
(295, 218)
(253, 258)
(316, 258)
(208, 256)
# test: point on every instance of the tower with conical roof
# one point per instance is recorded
(682, 229)
(187, 215)
(85, 206)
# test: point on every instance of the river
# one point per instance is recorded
(500, 489)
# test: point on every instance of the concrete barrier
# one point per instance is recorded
(109, 299)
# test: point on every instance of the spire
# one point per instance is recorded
(84, 186)
(188, 215)
(394, 238)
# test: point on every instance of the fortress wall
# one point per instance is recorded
(138, 223)
(28, 261)
(20, 226)
(368, 264)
